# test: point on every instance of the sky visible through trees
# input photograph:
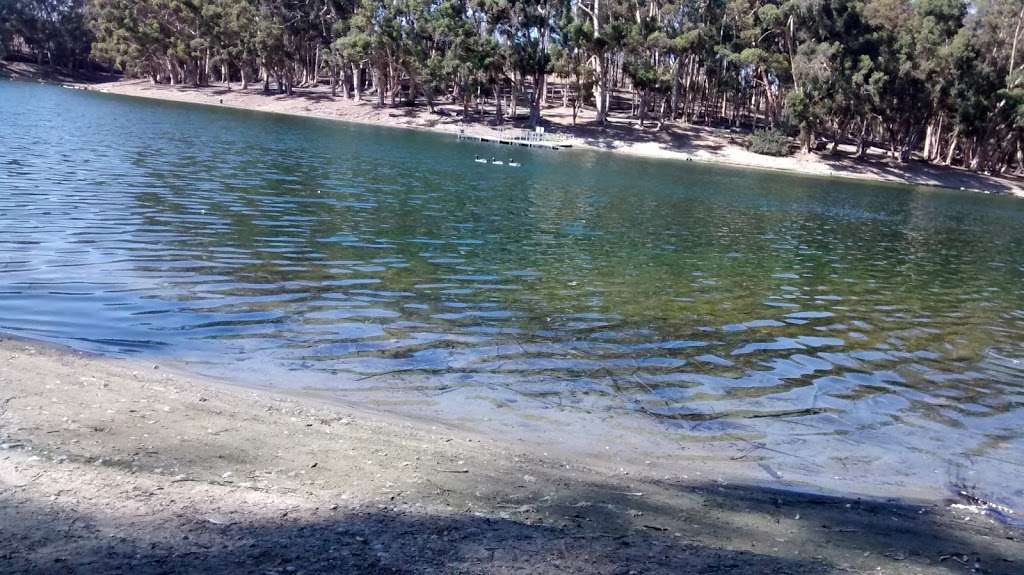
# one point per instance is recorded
(942, 79)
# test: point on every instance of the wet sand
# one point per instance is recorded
(675, 141)
(127, 466)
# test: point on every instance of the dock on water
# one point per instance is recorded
(518, 137)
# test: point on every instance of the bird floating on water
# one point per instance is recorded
(511, 163)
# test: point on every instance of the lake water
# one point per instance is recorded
(715, 302)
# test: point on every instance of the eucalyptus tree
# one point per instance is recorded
(570, 57)
(602, 42)
(812, 49)
(939, 78)
(761, 54)
(524, 28)
(989, 87)
(684, 24)
(453, 42)
(133, 36)
(644, 46)
(54, 31)
(940, 22)
(898, 84)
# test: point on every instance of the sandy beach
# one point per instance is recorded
(674, 142)
(110, 466)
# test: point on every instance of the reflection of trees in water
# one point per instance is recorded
(618, 262)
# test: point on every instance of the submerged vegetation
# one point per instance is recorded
(940, 78)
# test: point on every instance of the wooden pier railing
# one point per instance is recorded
(516, 137)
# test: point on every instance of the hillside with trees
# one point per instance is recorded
(941, 80)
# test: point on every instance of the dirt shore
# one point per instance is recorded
(27, 72)
(116, 466)
(675, 141)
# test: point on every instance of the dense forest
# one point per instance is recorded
(943, 79)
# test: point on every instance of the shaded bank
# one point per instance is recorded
(116, 466)
(678, 142)
(25, 71)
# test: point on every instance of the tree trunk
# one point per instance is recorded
(862, 141)
(539, 81)
(970, 156)
(928, 140)
(576, 103)
(357, 81)
(379, 85)
(953, 140)
(411, 97)
(674, 106)
(685, 107)
(315, 80)
(642, 112)
(806, 139)
(498, 113)
(601, 88)
(346, 91)
(840, 130)
(428, 93)
(204, 78)
(515, 100)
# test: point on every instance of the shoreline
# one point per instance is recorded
(679, 143)
(127, 463)
(172, 459)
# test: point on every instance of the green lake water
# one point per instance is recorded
(709, 300)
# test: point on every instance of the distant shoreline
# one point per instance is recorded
(685, 143)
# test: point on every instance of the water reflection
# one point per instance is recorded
(691, 294)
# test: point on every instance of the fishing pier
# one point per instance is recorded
(518, 137)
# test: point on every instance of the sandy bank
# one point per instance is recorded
(676, 142)
(112, 466)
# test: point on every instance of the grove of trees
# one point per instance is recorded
(943, 79)
(54, 32)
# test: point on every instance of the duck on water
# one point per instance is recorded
(496, 162)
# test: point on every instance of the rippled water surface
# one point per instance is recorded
(696, 295)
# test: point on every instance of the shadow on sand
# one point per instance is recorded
(589, 529)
